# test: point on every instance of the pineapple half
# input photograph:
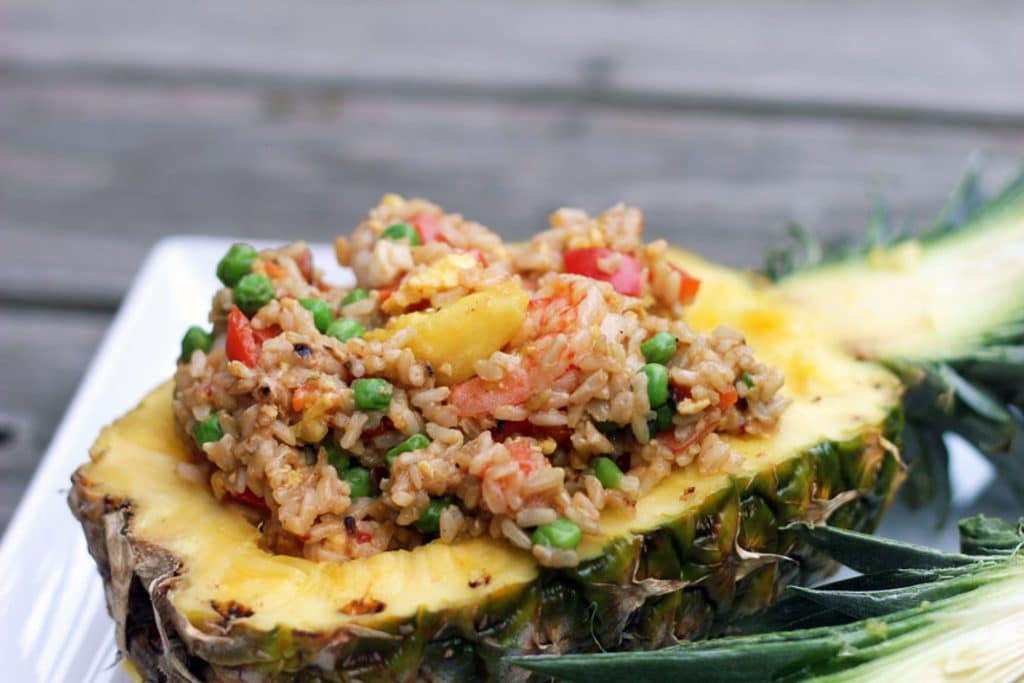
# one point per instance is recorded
(945, 312)
(195, 598)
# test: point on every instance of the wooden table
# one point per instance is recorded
(123, 122)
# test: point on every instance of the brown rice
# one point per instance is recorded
(501, 468)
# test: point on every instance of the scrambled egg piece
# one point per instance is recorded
(442, 275)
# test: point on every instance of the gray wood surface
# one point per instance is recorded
(916, 55)
(124, 122)
(43, 353)
(100, 171)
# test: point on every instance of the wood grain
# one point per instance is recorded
(93, 175)
(43, 354)
(918, 57)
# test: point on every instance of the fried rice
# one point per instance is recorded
(550, 424)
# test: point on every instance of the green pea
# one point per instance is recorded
(662, 421)
(195, 339)
(236, 263)
(358, 479)
(357, 294)
(402, 231)
(372, 393)
(338, 458)
(747, 379)
(207, 430)
(657, 383)
(660, 348)
(253, 292)
(430, 521)
(413, 443)
(607, 427)
(344, 329)
(608, 473)
(561, 533)
(322, 315)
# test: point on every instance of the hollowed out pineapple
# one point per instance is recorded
(195, 598)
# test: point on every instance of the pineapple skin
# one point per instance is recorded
(685, 579)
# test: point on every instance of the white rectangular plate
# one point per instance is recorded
(51, 597)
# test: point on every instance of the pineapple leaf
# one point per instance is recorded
(866, 553)
(799, 610)
(929, 481)
(863, 604)
(981, 535)
(975, 397)
(959, 397)
(966, 201)
(871, 619)
(803, 250)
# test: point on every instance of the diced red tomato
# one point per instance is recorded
(241, 342)
(476, 396)
(727, 399)
(263, 334)
(688, 287)
(428, 227)
(627, 279)
(247, 497)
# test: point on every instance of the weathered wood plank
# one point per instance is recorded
(92, 175)
(914, 57)
(43, 354)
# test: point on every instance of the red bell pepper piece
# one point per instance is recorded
(627, 278)
(263, 334)
(428, 228)
(241, 342)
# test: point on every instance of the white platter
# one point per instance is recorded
(51, 597)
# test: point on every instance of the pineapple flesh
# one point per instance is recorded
(195, 598)
(945, 311)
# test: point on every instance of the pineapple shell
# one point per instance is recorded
(195, 598)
